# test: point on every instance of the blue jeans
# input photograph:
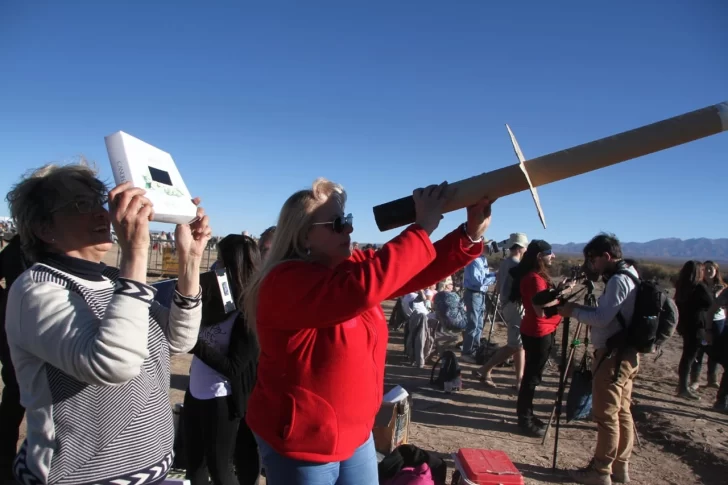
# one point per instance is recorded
(360, 469)
(475, 310)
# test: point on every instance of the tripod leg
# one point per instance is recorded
(562, 384)
(492, 322)
(636, 434)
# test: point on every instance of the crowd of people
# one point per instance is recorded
(86, 347)
(291, 379)
(697, 312)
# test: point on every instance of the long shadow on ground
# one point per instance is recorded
(543, 474)
(652, 424)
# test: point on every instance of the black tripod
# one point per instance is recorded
(589, 300)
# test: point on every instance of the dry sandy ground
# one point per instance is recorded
(682, 442)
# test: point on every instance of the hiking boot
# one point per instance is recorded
(721, 404)
(620, 472)
(713, 382)
(688, 394)
(538, 422)
(531, 428)
(589, 476)
(695, 377)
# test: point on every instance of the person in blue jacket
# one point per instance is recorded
(477, 278)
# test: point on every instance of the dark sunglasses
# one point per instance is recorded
(84, 205)
(339, 224)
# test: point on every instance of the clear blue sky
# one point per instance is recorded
(256, 99)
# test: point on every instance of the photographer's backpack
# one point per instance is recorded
(448, 378)
(653, 321)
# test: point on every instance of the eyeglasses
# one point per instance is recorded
(339, 224)
(85, 205)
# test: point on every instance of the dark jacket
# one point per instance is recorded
(239, 364)
(12, 265)
(693, 311)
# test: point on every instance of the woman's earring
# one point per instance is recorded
(308, 251)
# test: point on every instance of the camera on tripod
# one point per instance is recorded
(551, 299)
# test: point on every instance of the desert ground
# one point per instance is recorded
(681, 442)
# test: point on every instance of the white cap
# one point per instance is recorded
(518, 238)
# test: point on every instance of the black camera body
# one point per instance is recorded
(551, 297)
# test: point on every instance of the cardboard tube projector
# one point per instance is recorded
(566, 163)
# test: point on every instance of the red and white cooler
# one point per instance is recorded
(484, 467)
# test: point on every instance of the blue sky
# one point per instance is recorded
(254, 100)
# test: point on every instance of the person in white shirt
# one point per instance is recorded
(611, 386)
(512, 312)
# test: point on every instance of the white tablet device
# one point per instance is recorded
(153, 170)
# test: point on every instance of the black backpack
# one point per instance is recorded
(653, 321)
(449, 372)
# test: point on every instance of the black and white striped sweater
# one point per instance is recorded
(91, 352)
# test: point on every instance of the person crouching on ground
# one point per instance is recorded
(322, 331)
(222, 375)
(611, 385)
(90, 346)
(512, 312)
(538, 331)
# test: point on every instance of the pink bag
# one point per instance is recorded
(419, 475)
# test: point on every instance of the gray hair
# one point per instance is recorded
(41, 191)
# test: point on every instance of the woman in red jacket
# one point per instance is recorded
(537, 331)
(322, 331)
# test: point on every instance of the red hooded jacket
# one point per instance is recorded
(323, 342)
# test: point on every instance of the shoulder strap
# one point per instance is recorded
(636, 282)
(434, 366)
(621, 319)
(634, 278)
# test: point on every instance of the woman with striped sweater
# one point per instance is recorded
(91, 348)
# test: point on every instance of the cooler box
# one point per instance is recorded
(484, 467)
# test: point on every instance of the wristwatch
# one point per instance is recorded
(465, 231)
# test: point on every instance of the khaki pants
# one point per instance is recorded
(611, 409)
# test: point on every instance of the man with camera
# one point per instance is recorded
(477, 278)
(613, 369)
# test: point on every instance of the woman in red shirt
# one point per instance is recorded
(322, 331)
(537, 331)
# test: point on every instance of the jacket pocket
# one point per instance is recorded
(312, 425)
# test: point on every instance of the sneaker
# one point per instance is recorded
(688, 394)
(529, 428)
(538, 422)
(713, 383)
(694, 386)
(589, 476)
(468, 359)
(620, 472)
(721, 405)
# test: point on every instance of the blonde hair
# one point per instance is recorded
(289, 238)
(40, 192)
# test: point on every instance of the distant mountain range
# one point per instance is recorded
(664, 249)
